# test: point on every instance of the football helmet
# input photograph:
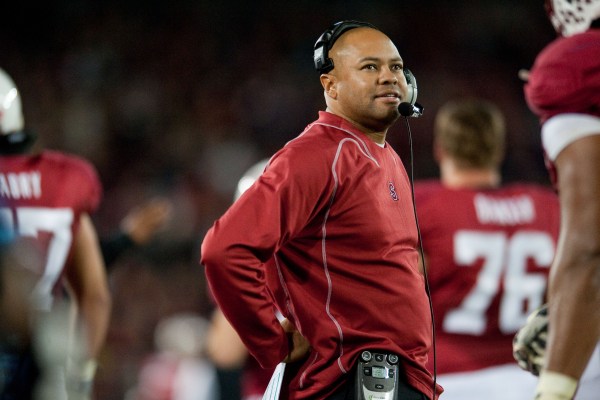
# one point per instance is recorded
(11, 115)
(249, 177)
(570, 17)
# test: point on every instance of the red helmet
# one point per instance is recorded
(572, 16)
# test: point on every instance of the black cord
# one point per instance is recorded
(427, 290)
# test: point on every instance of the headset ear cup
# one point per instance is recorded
(411, 82)
(321, 59)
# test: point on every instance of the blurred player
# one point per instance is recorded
(563, 90)
(47, 198)
(179, 369)
(488, 248)
(16, 284)
(224, 346)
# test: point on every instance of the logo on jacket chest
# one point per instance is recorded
(393, 193)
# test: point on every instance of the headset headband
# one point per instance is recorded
(325, 42)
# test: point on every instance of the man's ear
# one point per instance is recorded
(328, 82)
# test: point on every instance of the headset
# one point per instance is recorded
(324, 64)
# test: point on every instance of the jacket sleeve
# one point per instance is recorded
(254, 228)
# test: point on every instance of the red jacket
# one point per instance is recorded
(328, 232)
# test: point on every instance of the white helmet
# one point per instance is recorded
(11, 115)
(570, 17)
(249, 177)
(183, 334)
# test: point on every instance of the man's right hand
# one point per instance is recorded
(299, 346)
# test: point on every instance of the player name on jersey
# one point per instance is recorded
(505, 211)
(21, 185)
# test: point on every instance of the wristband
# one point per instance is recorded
(80, 376)
(88, 370)
(555, 386)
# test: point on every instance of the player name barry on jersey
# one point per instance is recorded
(515, 210)
(21, 185)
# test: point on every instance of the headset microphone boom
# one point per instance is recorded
(410, 110)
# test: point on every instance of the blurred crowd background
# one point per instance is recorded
(177, 99)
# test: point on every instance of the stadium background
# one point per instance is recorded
(178, 98)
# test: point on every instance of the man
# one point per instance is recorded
(563, 90)
(328, 234)
(47, 198)
(487, 257)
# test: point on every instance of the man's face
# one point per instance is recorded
(368, 81)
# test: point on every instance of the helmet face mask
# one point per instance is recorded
(570, 17)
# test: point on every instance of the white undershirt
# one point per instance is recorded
(563, 129)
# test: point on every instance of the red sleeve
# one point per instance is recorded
(565, 77)
(80, 185)
(236, 248)
(90, 184)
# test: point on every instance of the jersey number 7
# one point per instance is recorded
(30, 222)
